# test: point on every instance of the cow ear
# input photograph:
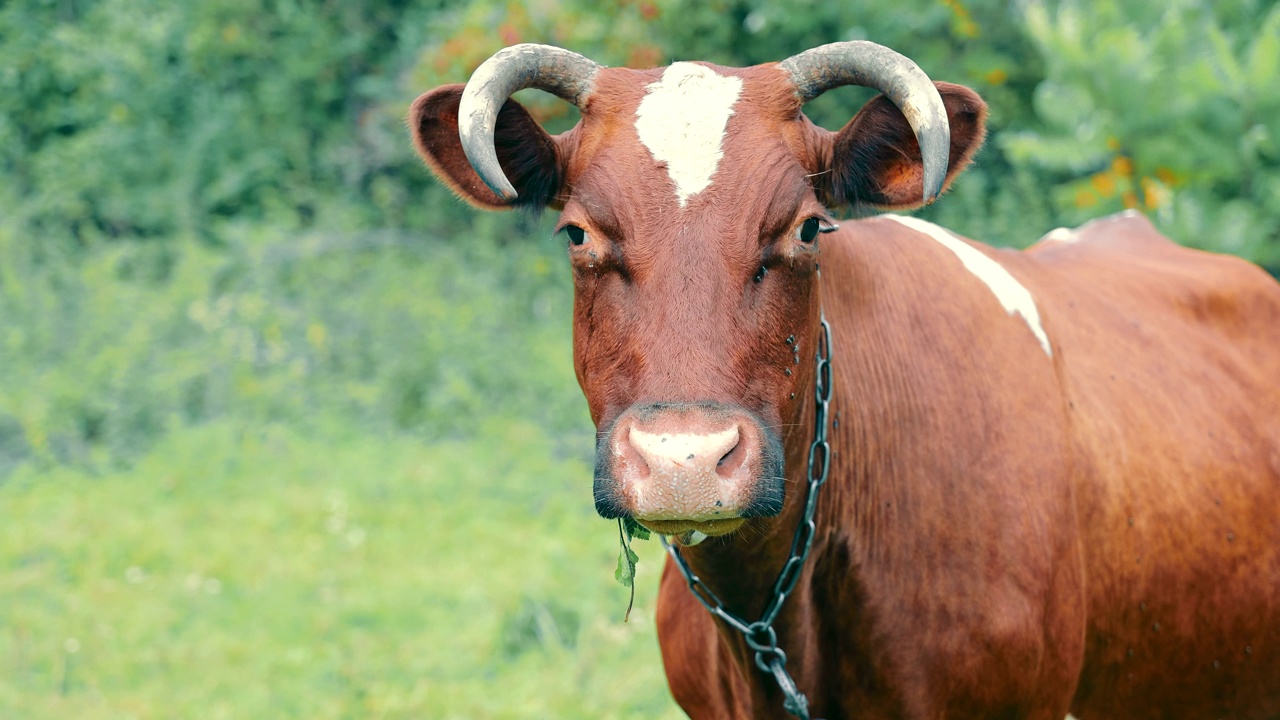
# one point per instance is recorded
(530, 158)
(875, 159)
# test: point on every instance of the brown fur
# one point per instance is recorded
(1005, 534)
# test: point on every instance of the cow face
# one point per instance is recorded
(693, 199)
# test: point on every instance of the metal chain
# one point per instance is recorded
(760, 635)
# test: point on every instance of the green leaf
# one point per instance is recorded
(1225, 60)
(627, 559)
(635, 530)
(626, 570)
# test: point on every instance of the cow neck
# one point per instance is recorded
(742, 569)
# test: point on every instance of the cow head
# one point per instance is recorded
(692, 198)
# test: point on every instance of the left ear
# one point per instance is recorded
(530, 158)
(875, 159)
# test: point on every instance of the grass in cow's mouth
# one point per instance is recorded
(625, 573)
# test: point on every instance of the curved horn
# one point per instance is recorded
(859, 62)
(560, 72)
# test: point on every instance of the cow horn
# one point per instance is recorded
(560, 72)
(859, 62)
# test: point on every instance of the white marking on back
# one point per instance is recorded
(1061, 235)
(1015, 298)
(682, 120)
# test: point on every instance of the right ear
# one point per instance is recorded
(531, 159)
(875, 159)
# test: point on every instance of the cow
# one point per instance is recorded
(1052, 476)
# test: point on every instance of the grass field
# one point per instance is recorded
(305, 478)
(252, 572)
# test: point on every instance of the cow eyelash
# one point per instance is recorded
(811, 227)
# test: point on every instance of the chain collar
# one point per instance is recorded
(760, 635)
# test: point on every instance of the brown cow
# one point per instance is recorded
(1056, 475)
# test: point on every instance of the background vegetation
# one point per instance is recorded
(287, 431)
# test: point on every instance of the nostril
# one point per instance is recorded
(732, 460)
(630, 453)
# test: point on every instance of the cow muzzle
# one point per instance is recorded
(680, 467)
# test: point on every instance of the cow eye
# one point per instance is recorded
(577, 235)
(808, 231)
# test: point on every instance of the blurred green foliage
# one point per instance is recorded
(229, 292)
(1174, 109)
(124, 119)
(385, 331)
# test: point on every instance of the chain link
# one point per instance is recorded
(760, 636)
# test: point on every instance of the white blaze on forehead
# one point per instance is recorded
(682, 120)
(1015, 298)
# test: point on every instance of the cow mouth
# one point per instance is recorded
(710, 528)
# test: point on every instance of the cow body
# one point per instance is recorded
(1014, 533)
(1055, 484)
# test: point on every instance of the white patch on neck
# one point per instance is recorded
(1015, 298)
(682, 120)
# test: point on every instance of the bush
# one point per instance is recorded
(109, 347)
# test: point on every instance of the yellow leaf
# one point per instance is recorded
(1154, 193)
(1104, 182)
